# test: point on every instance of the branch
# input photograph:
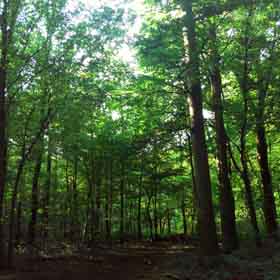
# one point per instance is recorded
(232, 157)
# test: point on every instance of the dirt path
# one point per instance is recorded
(120, 263)
(155, 263)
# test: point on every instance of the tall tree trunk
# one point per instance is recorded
(244, 87)
(155, 209)
(35, 193)
(13, 208)
(183, 199)
(149, 218)
(168, 221)
(122, 186)
(3, 165)
(10, 10)
(111, 196)
(18, 235)
(25, 153)
(93, 164)
(249, 197)
(183, 209)
(98, 174)
(75, 218)
(269, 201)
(107, 171)
(207, 226)
(88, 169)
(194, 192)
(67, 202)
(3, 120)
(19, 216)
(47, 190)
(139, 214)
(227, 206)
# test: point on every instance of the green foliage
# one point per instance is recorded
(108, 126)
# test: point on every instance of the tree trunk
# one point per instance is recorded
(3, 163)
(227, 206)
(183, 201)
(269, 201)
(67, 202)
(194, 192)
(35, 193)
(168, 221)
(155, 209)
(13, 208)
(47, 191)
(111, 196)
(139, 216)
(207, 227)
(75, 217)
(87, 234)
(18, 235)
(21, 197)
(3, 121)
(25, 153)
(108, 197)
(149, 218)
(122, 203)
(250, 201)
(183, 209)
(98, 171)
(243, 132)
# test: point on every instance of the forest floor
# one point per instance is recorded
(143, 261)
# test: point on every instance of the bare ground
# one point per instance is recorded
(145, 261)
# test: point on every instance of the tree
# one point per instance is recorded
(227, 207)
(207, 228)
(9, 13)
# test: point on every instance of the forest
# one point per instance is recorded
(139, 139)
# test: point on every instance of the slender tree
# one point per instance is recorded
(244, 88)
(227, 207)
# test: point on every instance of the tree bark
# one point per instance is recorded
(13, 208)
(108, 197)
(194, 192)
(19, 216)
(207, 227)
(25, 153)
(75, 228)
(122, 202)
(111, 195)
(139, 213)
(168, 221)
(243, 132)
(35, 193)
(3, 120)
(98, 171)
(183, 209)
(18, 235)
(227, 205)
(155, 210)
(149, 218)
(67, 202)
(48, 189)
(268, 200)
